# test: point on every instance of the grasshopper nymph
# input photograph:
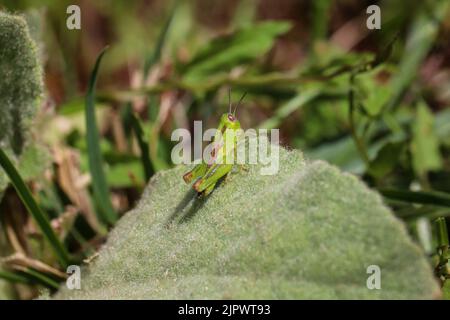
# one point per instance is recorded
(206, 175)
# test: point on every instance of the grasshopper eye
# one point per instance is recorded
(231, 117)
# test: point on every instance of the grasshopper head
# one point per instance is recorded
(230, 121)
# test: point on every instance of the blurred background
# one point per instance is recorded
(375, 103)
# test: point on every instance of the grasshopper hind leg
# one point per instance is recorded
(211, 177)
(207, 191)
(197, 172)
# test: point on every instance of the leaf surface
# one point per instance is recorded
(309, 231)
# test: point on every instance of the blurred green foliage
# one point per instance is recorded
(373, 102)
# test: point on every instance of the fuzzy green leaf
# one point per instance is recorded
(20, 91)
(309, 231)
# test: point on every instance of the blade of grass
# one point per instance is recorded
(359, 141)
(14, 277)
(41, 278)
(411, 212)
(422, 197)
(99, 184)
(156, 54)
(33, 208)
(28, 276)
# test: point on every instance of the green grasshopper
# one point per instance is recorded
(206, 175)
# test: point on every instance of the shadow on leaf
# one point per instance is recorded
(189, 205)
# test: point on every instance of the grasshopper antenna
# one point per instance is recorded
(229, 100)
(240, 100)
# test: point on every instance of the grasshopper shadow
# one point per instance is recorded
(196, 205)
(188, 206)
